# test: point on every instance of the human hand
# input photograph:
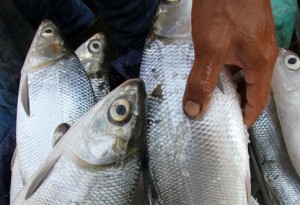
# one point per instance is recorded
(237, 33)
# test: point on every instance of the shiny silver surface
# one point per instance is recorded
(173, 19)
(272, 157)
(77, 170)
(286, 89)
(191, 161)
(93, 56)
(201, 161)
(54, 89)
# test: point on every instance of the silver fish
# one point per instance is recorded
(276, 167)
(98, 161)
(286, 88)
(54, 89)
(93, 56)
(191, 161)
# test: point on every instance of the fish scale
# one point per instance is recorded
(111, 184)
(58, 93)
(192, 161)
(272, 156)
(54, 89)
(98, 160)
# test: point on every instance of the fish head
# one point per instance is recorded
(286, 76)
(113, 129)
(47, 47)
(92, 54)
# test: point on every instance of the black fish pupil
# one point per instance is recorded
(121, 110)
(292, 61)
(96, 45)
(48, 30)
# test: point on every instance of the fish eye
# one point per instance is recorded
(95, 46)
(292, 62)
(120, 110)
(47, 32)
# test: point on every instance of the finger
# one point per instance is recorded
(200, 85)
(257, 96)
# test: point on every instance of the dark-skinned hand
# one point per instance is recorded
(238, 33)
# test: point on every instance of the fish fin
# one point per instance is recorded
(59, 132)
(253, 201)
(220, 85)
(297, 202)
(248, 187)
(40, 177)
(13, 159)
(24, 94)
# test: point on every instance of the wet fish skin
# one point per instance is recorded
(93, 56)
(271, 154)
(191, 161)
(285, 85)
(54, 89)
(98, 160)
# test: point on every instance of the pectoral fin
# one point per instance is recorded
(40, 177)
(59, 132)
(24, 94)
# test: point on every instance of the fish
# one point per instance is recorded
(190, 161)
(54, 89)
(93, 56)
(98, 160)
(279, 175)
(286, 88)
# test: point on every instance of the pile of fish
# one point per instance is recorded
(79, 143)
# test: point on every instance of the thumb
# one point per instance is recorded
(200, 85)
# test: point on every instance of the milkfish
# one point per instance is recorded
(286, 88)
(54, 89)
(93, 54)
(279, 175)
(98, 160)
(190, 161)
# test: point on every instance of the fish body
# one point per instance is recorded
(98, 161)
(93, 56)
(286, 88)
(54, 89)
(191, 161)
(276, 167)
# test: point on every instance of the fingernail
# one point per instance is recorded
(191, 108)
